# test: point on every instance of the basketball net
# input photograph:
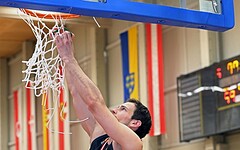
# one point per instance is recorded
(45, 69)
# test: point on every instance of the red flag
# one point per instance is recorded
(17, 97)
(45, 119)
(63, 119)
(31, 120)
(155, 78)
(62, 116)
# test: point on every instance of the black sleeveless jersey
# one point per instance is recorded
(101, 143)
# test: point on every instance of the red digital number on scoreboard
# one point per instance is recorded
(227, 73)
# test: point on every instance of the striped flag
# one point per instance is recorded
(155, 78)
(129, 45)
(55, 118)
(18, 126)
(63, 120)
(46, 97)
(31, 120)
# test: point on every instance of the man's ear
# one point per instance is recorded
(134, 124)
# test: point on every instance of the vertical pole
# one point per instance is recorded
(3, 104)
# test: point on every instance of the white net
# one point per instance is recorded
(45, 68)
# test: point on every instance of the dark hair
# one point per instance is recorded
(141, 113)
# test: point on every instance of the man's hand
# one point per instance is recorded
(65, 45)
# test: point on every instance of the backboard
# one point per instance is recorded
(215, 15)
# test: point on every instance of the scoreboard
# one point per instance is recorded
(209, 100)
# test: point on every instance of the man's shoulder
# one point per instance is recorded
(98, 131)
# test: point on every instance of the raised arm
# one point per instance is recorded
(80, 107)
(81, 86)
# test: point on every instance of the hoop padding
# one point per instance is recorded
(45, 68)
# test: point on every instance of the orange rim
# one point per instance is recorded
(49, 16)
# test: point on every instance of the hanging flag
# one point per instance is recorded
(155, 78)
(63, 120)
(18, 127)
(31, 120)
(129, 45)
(46, 97)
(61, 123)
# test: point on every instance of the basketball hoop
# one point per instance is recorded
(43, 68)
(45, 15)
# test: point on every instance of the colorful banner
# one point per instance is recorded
(45, 117)
(31, 120)
(155, 78)
(63, 120)
(129, 45)
(18, 126)
(62, 126)
(56, 124)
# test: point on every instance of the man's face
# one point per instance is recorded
(124, 112)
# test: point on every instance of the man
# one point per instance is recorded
(120, 128)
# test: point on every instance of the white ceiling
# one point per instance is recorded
(14, 31)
